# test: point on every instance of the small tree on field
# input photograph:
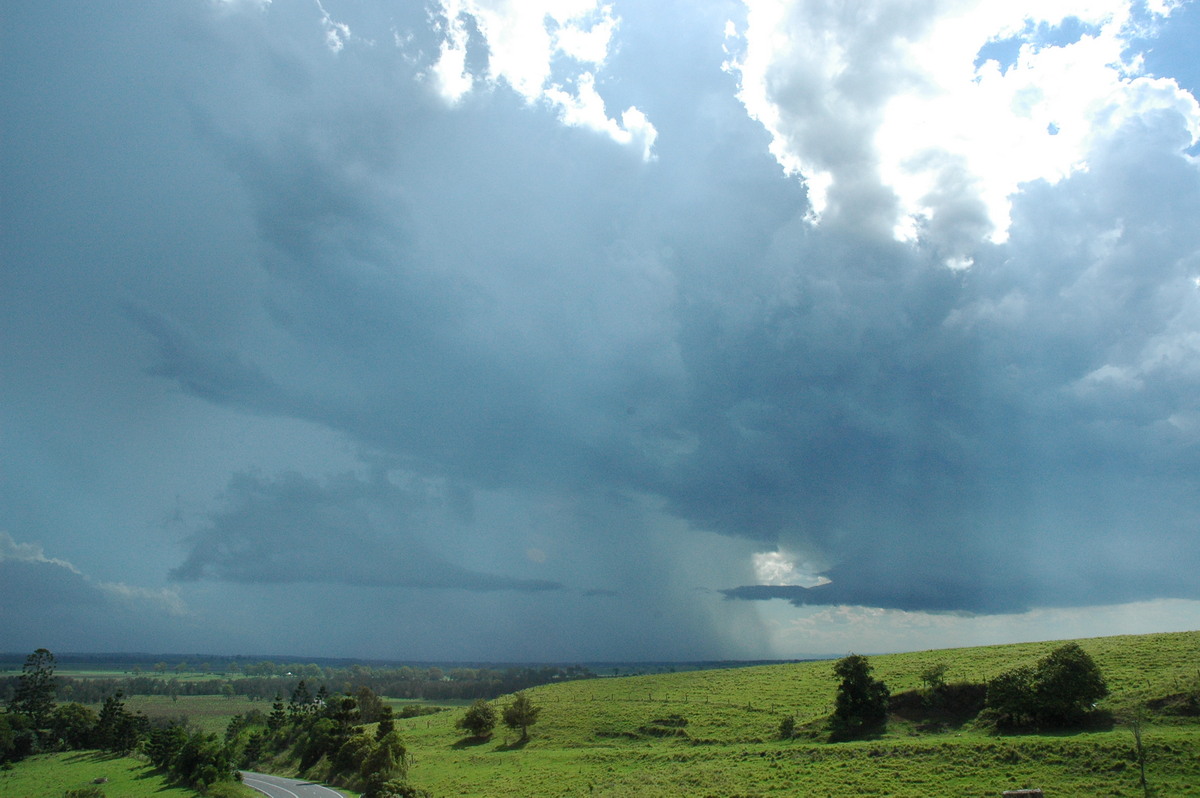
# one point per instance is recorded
(479, 720)
(934, 676)
(862, 701)
(787, 728)
(521, 714)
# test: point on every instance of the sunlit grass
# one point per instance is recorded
(50, 775)
(591, 738)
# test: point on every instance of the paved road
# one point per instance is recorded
(279, 787)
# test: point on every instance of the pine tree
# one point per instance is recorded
(34, 696)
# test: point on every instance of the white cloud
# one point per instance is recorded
(881, 109)
(29, 552)
(336, 33)
(527, 43)
(779, 568)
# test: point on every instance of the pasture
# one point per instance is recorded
(716, 733)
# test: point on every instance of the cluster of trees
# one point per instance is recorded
(1057, 692)
(312, 727)
(329, 735)
(34, 721)
(480, 718)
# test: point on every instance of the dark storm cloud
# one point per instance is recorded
(516, 324)
(347, 531)
(1022, 446)
(466, 348)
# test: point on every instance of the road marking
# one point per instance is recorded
(269, 784)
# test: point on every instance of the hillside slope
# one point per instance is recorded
(716, 733)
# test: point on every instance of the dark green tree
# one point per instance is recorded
(1066, 684)
(387, 722)
(1059, 691)
(278, 715)
(74, 725)
(301, 699)
(34, 696)
(1010, 698)
(370, 705)
(521, 714)
(386, 761)
(117, 729)
(479, 719)
(861, 702)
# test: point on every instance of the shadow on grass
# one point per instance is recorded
(520, 743)
(94, 756)
(471, 742)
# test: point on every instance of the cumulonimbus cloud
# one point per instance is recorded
(895, 120)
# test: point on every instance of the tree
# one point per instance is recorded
(34, 696)
(934, 676)
(521, 714)
(1058, 691)
(386, 761)
(479, 720)
(117, 729)
(74, 725)
(1010, 698)
(278, 717)
(387, 722)
(301, 700)
(370, 705)
(1067, 683)
(862, 701)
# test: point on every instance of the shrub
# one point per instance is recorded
(479, 720)
(787, 728)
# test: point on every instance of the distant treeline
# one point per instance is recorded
(430, 684)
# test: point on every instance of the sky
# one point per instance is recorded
(566, 330)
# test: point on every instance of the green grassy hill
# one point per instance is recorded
(715, 733)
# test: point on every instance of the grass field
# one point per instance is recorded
(50, 775)
(210, 713)
(600, 737)
(715, 733)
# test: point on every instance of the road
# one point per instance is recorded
(279, 787)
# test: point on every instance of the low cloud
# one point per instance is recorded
(346, 530)
(48, 602)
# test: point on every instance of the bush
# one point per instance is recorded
(787, 728)
(479, 720)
